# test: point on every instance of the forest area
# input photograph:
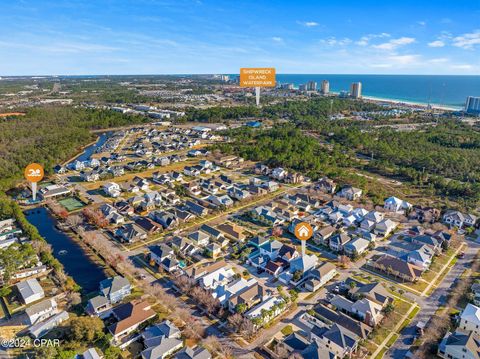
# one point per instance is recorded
(50, 135)
(441, 160)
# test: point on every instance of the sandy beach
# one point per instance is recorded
(411, 103)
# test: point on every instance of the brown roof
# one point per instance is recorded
(233, 230)
(247, 295)
(197, 271)
(273, 266)
(400, 266)
(129, 315)
(325, 268)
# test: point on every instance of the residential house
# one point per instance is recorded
(350, 193)
(233, 230)
(99, 306)
(458, 219)
(40, 329)
(326, 185)
(221, 201)
(338, 241)
(396, 267)
(129, 317)
(322, 236)
(164, 348)
(385, 227)
(270, 304)
(112, 189)
(394, 204)
(30, 290)
(421, 257)
(40, 311)
(197, 209)
(131, 233)
(90, 353)
(370, 312)
(356, 247)
(115, 289)
(199, 238)
(148, 225)
(470, 319)
(460, 345)
(337, 339)
(279, 173)
(166, 219)
(164, 256)
(249, 296)
(375, 292)
(320, 276)
(238, 193)
(193, 353)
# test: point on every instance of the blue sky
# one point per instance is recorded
(199, 36)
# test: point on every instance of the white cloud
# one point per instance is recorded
(422, 23)
(394, 43)
(404, 59)
(364, 40)
(467, 41)
(439, 60)
(277, 39)
(308, 23)
(381, 66)
(332, 41)
(437, 43)
(462, 67)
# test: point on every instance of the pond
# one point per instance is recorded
(76, 262)
(90, 150)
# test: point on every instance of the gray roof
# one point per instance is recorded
(90, 354)
(98, 301)
(190, 353)
(164, 346)
(113, 284)
(40, 329)
(40, 306)
(29, 287)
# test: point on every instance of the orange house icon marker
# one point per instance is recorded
(303, 231)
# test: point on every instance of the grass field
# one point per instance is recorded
(71, 204)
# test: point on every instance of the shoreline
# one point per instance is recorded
(411, 103)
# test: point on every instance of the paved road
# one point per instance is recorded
(428, 305)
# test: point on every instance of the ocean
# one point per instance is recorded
(449, 91)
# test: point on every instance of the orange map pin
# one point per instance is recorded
(34, 173)
(303, 231)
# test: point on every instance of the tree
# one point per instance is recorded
(73, 298)
(352, 284)
(241, 308)
(235, 321)
(389, 308)
(113, 353)
(85, 329)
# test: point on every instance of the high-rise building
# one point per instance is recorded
(356, 90)
(311, 86)
(325, 89)
(302, 87)
(472, 105)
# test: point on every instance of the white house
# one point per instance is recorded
(394, 204)
(279, 173)
(112, 189)
(385, 227)
(458, 219)
(350, 193)
(30, 290)
(470, 319)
